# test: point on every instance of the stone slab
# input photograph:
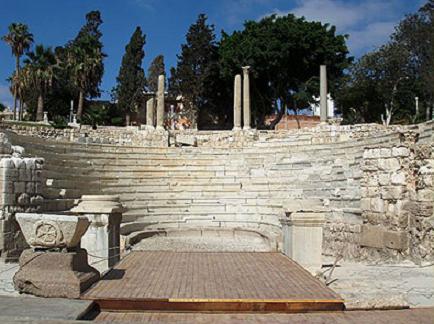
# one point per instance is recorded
(32, 308)
(377, 237)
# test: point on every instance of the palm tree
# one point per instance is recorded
(20, 39)
(83, 64)
(39, 73)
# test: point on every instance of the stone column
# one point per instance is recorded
(246, 98)
(160, 102)
(237, 102)
(323, 93)
(150, 113)
(302, 238)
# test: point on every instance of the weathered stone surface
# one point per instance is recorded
(51, 230)
(303, 236)
(237, 102)
(103, 204)
(52, 274)
(372, 236)
(150, 107)
(185, 140)
(323, 93)
(395, 240)
(160, 102)
(377, 237)
(246, 98)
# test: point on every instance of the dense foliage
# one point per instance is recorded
(156, 69)
(131, 79)
(394, 75)
(285, 54)
(195, 67)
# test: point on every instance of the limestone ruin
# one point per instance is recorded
(373, 183)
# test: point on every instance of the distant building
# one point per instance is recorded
(330, 107)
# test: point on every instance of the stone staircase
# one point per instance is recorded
(204, 187)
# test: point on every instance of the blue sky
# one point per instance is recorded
(165, 22)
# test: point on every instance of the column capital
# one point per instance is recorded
(246, 69)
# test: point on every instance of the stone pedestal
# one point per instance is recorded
(55, 266)
(102, 239)
(302, 238)
(54, 274)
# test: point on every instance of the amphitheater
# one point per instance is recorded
(228, 191)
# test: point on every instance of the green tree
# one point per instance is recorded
(285, 53)
(38, 74)
(197, 61)
(392, 76)
(84, 60)
(415, 33)
(131, 80)
(19, 39)
(155, 69)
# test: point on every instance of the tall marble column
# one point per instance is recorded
(246, 98)
(150, 113)
(323, 93)
(237, 102)
(160, 102)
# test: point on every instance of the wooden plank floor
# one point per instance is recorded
(207, 281)
(419, 316)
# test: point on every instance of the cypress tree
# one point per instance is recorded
(194, 68)
(131, 81)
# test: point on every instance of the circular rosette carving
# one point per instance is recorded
(47, 234)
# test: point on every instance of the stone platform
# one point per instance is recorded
(217, 281)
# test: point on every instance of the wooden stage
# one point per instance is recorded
(211, 281)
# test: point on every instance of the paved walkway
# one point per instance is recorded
(33, 308)
(376, 286)
(7, 271)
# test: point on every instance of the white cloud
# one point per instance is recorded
(145, 4)
(5, 95)
(236, 11)
(343, 14)
(368, 23)
(371, 36)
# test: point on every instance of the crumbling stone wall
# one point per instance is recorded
(397, 197)
(128, 136)
(21, 182)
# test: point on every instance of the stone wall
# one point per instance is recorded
(246, 180)
(86, 135)
(21, 182)
(397, 200)
(134, 136)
